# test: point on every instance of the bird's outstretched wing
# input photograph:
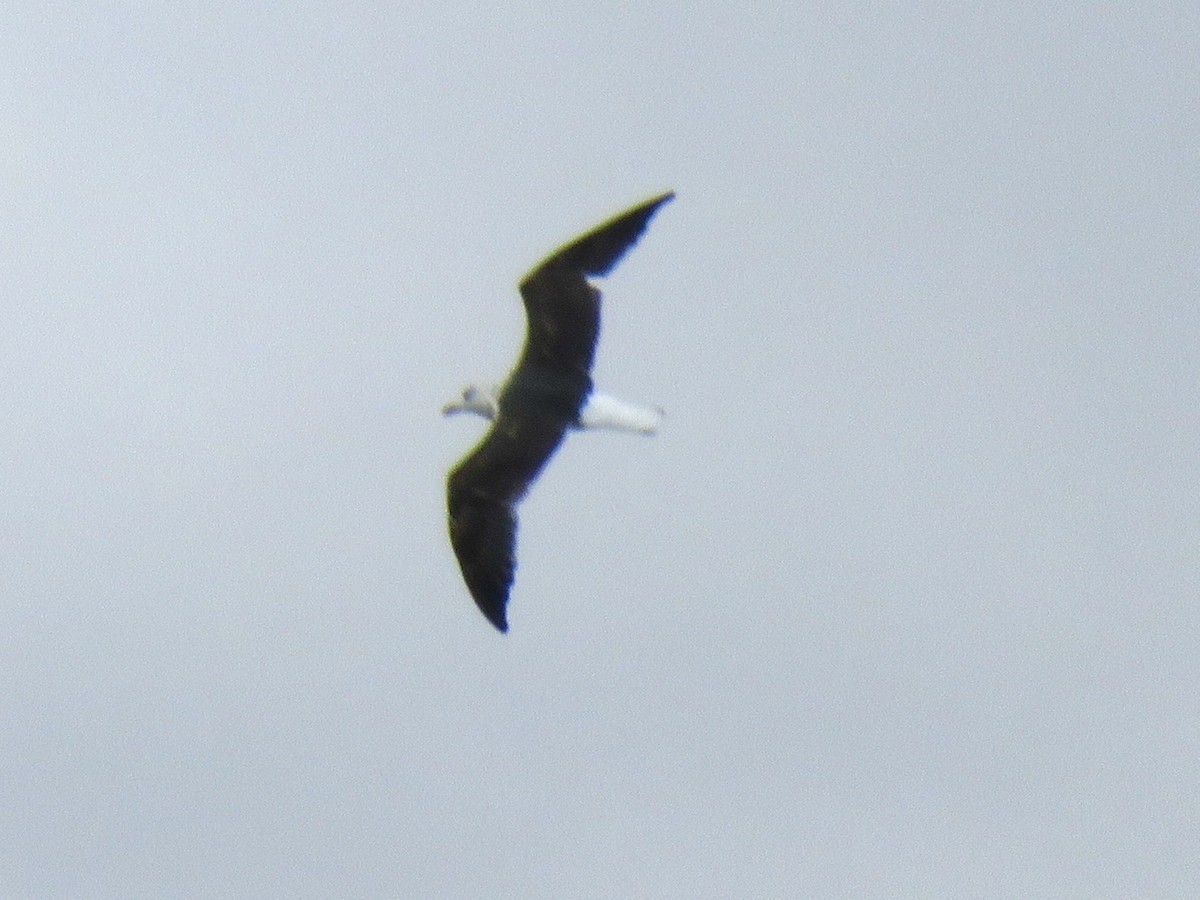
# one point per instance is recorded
(482, 496)
(562, 309)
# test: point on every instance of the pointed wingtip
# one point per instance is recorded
(498, 618)
(598, 251)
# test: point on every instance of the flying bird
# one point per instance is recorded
(548, 393)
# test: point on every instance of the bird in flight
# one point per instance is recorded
(548, 393)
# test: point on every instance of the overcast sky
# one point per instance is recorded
(902, 601)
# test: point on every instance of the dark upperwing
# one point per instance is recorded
(482, 496)
(542, 398)
(561, 308)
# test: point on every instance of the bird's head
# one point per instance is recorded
(475, 399)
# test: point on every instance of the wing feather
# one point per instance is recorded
(482, 495)
(562, 309)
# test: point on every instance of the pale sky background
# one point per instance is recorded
(902, 602)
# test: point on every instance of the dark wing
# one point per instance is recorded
(562, 309)
(482, 495)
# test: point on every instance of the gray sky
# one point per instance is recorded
(902, 601)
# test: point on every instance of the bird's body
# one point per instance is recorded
(548, 393)
(600, 411)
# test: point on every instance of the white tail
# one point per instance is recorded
(604, 411)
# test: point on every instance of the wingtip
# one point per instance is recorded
(497, 617)
(653, 204)
(601, 248)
